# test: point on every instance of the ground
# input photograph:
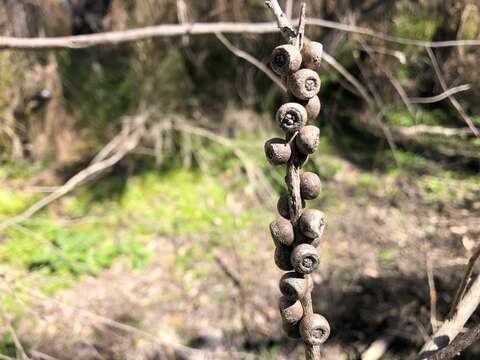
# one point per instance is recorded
(156, 264)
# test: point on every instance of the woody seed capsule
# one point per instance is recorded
(304, 259)
(310, 185)
(290, 310)
(286, 59)
(312, 52)
(312, 223)
(314, 329)
(304, 84)
(308, 139)
(282, 232)
(277, 151)
(291, 117)
(295, 286)
(313, 106)
(282, 258)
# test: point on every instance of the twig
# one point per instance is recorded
(21, 354)
(395, 83)
(462, 287)
(433, 293)
(452, 99)
(452, 327)
(252, 60)
(81, 177)
(377, 349)
(457, 346)
(170, 30)
(440, 97)
(283, 23)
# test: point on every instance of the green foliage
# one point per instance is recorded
(434, 117)
(386, 255)
(415, 24)
(99, 85)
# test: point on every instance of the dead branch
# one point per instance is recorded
(461, 343)
(462, 287)
(433, 130)
(171, 30)
(86, 174)
(252, 60)
(377, 349)
(452, 99)
(440, 97)
(452, 327)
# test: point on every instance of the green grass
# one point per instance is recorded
(116, 218)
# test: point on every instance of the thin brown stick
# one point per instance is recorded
(433, 293)
(170, 30)
(86, 174)
(452, 99)
(462, 287)
(440, 97)
(452, 327)
(252, 60)
(461, 343)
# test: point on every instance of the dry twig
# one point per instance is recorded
(452, 327)
(252, 60)
(452, 99)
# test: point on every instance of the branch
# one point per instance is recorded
(461, 343)
(440, 97)
(171, 30)
(252, 60)
(283, 23)
(465, 280)
(453, 101)
(86, 174)
(451, 328)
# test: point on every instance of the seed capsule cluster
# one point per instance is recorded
(297, 232)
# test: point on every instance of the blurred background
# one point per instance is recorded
(157, 246)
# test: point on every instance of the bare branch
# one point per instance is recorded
(283, 23)
(440, 97)
(170, 30)
(86, 174)
(433, 130)
(461, 343)
(453, 101)
(252, 60)
(451, 328)
(393, 39)
(465, 280)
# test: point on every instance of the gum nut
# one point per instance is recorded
(305, 259)
(310, 185)
(314, 329)
(304, 84)
(294, 286)
(286, 59)
(291, 117)
(308, 139)
(312, 53)
(282, 233)
(282, 258)
(290, 310)
(277, 151)
(312, 223)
